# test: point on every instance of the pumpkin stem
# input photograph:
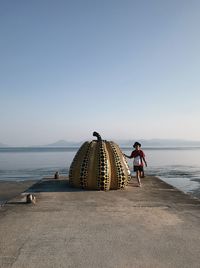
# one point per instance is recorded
(97, 135)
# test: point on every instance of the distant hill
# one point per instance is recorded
(129, 143)
(159, 143)
(3, 145)
(126, 143)
(63, 143)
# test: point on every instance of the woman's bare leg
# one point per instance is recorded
(138, 177)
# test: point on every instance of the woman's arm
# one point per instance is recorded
(130, 156)
(127, 156)
(144, 161)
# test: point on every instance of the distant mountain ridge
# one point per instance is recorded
(160, 142)
(63, 143)
(129, 143)
(3, 145)
(124, 143)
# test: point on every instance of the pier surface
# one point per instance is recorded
(153, 226)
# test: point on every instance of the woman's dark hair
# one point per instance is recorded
(136, 143)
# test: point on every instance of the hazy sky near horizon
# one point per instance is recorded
(128, 69)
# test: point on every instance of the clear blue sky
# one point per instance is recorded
(126, 68)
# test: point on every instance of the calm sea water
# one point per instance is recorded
(179, 167)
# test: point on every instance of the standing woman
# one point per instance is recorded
(138, 162)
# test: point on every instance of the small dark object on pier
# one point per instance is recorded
(30, 198)
(57, 175)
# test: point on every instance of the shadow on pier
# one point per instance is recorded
(52, 185)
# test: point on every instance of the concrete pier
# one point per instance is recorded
(153, 226)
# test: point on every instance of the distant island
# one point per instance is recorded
(124, 143)
(3, 145)
(63, 143)
(160, 142)
(129, 143)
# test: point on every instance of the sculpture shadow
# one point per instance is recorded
(45, 185)
(52, 185)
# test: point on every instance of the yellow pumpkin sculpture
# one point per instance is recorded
(99, 165)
